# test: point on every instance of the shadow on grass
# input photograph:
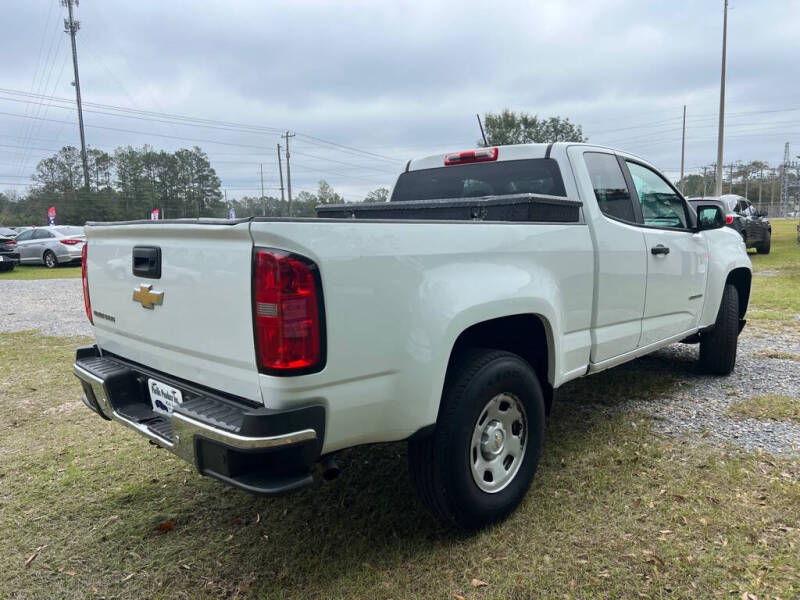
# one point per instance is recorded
(366, 522)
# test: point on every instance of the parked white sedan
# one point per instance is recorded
(50, 246)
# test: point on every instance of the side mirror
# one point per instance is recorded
(709, 216)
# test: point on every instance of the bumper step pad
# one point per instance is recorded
(264, 451)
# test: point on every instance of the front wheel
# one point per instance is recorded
(718, 346)
(477, 465)
(50, 260)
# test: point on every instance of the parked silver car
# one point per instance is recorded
(50, 246)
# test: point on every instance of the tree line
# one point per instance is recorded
(130, 182)
(125, 185)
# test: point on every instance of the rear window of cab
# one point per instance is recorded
(474, 180)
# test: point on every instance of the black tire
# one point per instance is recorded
(718, 346)
(5, 267)
(764, 247)
(441, 463)
(49, 259)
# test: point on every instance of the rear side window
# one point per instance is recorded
(609, 186)
(41, 234)
(531, 176)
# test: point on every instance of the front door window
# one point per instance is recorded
(661, 205)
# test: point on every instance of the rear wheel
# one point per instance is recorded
(718, 346)
(49, 259)
(477, 465)
(6, 266)
(764, 247)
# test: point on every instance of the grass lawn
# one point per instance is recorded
(42, 272)
(776, 280)
(615, 511)
(771, 406)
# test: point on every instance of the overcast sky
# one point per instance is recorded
(395, 79)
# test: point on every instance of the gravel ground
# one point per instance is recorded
(693, 405)
(53, 305)
(690, 405)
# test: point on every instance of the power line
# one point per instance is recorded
(44, 83)
(213, 123)
(333, 160)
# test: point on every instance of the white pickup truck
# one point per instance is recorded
(257, 348)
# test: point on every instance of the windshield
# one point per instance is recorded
(532, 176)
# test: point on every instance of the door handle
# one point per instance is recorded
(659, 249)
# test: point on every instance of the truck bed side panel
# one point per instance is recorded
(397, 295)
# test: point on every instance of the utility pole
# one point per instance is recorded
(730, 183)
(71, 27)
(746, 171)
(286, 136)
(705, 174)
(683, 145)
(784, 206)
(280, 170)
(720, 136)
(263, 201)
(760, 181)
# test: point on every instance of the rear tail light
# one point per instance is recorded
(70, 242)
(728, 219)
(287, 313)
(10, 243)
(470, 156)
(87, 304)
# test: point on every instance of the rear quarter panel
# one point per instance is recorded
(398, 294)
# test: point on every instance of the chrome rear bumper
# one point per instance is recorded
(263, 451)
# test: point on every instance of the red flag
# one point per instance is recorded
(154, 214)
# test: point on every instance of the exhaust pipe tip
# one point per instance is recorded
(329, 469)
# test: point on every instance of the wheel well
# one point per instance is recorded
(524, 335)
(740, 279)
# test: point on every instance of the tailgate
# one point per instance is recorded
(202, 329)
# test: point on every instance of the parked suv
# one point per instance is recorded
(50, 246)
(755, 229)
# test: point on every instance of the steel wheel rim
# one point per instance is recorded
(497, 445)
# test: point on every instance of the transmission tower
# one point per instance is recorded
(71, 27)
(788, 200)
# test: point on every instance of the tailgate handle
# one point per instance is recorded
(147, 262)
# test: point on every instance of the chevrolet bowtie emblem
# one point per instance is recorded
(147, 297)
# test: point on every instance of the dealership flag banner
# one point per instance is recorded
(154, 214)
(232, 213)
(51, 215)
